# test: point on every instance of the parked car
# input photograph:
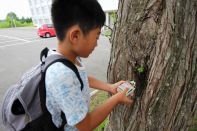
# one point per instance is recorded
(46, 30)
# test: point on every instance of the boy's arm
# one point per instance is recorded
(94, 118)
(97, 84)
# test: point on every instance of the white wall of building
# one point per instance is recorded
(109, 5)
(40, 10)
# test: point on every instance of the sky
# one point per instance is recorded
(21, 7)
(109, 4)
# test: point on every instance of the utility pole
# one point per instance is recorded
(13, 22)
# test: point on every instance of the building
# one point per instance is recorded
(40, 11)
(110, 7)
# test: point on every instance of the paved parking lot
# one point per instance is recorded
(20, 48)
(10, 37)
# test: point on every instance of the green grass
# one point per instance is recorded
(4, 25)
(96, 100)
(17, 23)
(194, 125)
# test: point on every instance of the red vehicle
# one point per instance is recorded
(46, 30)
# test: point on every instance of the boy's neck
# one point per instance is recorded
(65, 51)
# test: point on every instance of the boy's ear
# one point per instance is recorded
(74, 34)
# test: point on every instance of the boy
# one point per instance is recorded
(77, 24)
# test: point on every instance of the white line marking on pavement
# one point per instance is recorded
(14, 38)
(27, 39)
(19, 43)
(30, 38)
(2, 69)
(7, 41)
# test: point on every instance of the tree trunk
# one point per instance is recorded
(155, 43)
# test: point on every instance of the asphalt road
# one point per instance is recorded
(20, 49)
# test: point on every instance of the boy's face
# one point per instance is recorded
(87, 42)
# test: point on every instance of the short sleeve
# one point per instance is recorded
(64, 86)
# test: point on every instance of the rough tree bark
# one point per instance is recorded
(160, 37)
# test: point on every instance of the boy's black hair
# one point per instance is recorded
(88, 14)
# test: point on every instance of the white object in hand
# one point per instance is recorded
(130, 85)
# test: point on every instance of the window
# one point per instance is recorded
(46, 9)
(49, 25)
(46, 21)
(30, 3)
(43, 10)
(37, 11)
(32, 11)
(40, 21)
(35, 21)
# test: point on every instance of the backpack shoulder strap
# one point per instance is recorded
(58, 58)
(45, 64)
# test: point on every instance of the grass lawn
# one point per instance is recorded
(17, 24)
(96, 100)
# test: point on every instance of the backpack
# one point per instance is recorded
(24, 104)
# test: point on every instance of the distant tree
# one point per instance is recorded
(22, 20)
(28, 20)
(11, 18)
(12, 15)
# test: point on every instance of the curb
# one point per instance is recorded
(93, 93)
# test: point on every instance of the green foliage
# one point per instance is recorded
(27, 20)
(11, 15)
(20, 24)
(139, 69)
(113, 16)
(22, 20)
(107, 32)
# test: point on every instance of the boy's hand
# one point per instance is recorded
(113, 87)
(122, 98)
